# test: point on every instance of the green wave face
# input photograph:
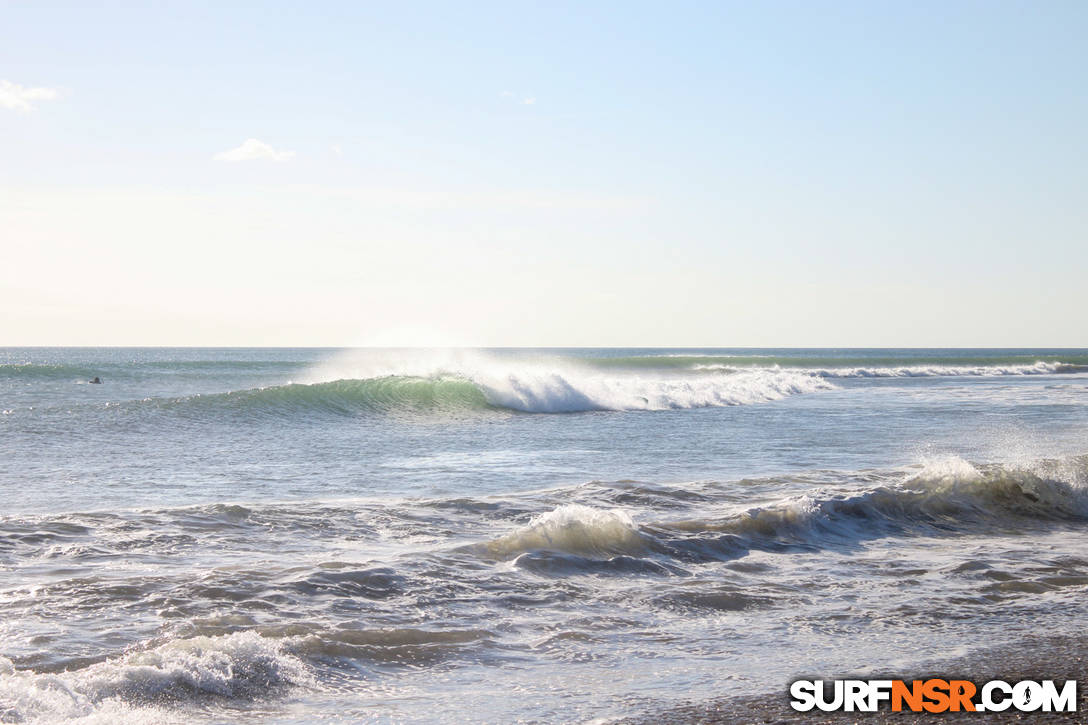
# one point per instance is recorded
(351, 397)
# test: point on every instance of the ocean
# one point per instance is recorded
(537, 535)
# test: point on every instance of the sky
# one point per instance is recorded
(544, 174)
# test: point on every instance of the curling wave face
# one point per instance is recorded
(524, 391)
(550, 392)
(553, 384)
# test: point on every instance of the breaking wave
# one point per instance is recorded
(256, 633)
(946, 498)
(574, 529)
(135, 686)
(521, 391)
(949, 497)
(926, 371)
(870, 366)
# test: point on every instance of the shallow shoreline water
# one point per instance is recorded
(1038, 658)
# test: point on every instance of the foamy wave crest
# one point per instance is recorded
(948, 469)
(566, 393)
(574, 529)
(137, 686)
(925, 371)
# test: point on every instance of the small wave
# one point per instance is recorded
(554, 563)
(574, 529)
(948, 497)
(405, 646)
(136, 686)
(945, 498)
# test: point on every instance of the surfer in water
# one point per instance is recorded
(96, 381)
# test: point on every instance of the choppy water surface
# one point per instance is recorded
(545, 535)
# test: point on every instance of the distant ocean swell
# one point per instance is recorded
(538, 389)
(853, 366)
(466, 383)
(401, 363)
(112, 370)
(525, 392)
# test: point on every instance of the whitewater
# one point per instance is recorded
(404, 535)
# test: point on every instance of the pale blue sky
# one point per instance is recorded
(771, 173)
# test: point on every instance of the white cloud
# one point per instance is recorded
(19, 98)
(252, 150)
(524, 100)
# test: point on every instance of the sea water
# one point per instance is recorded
(298, 535)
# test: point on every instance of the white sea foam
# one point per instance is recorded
(559, 393)
(920, 371)
(947, 468)
(131, 688)
(917, 371)
(574, 529)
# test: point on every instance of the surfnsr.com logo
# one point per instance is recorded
(933, 695)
